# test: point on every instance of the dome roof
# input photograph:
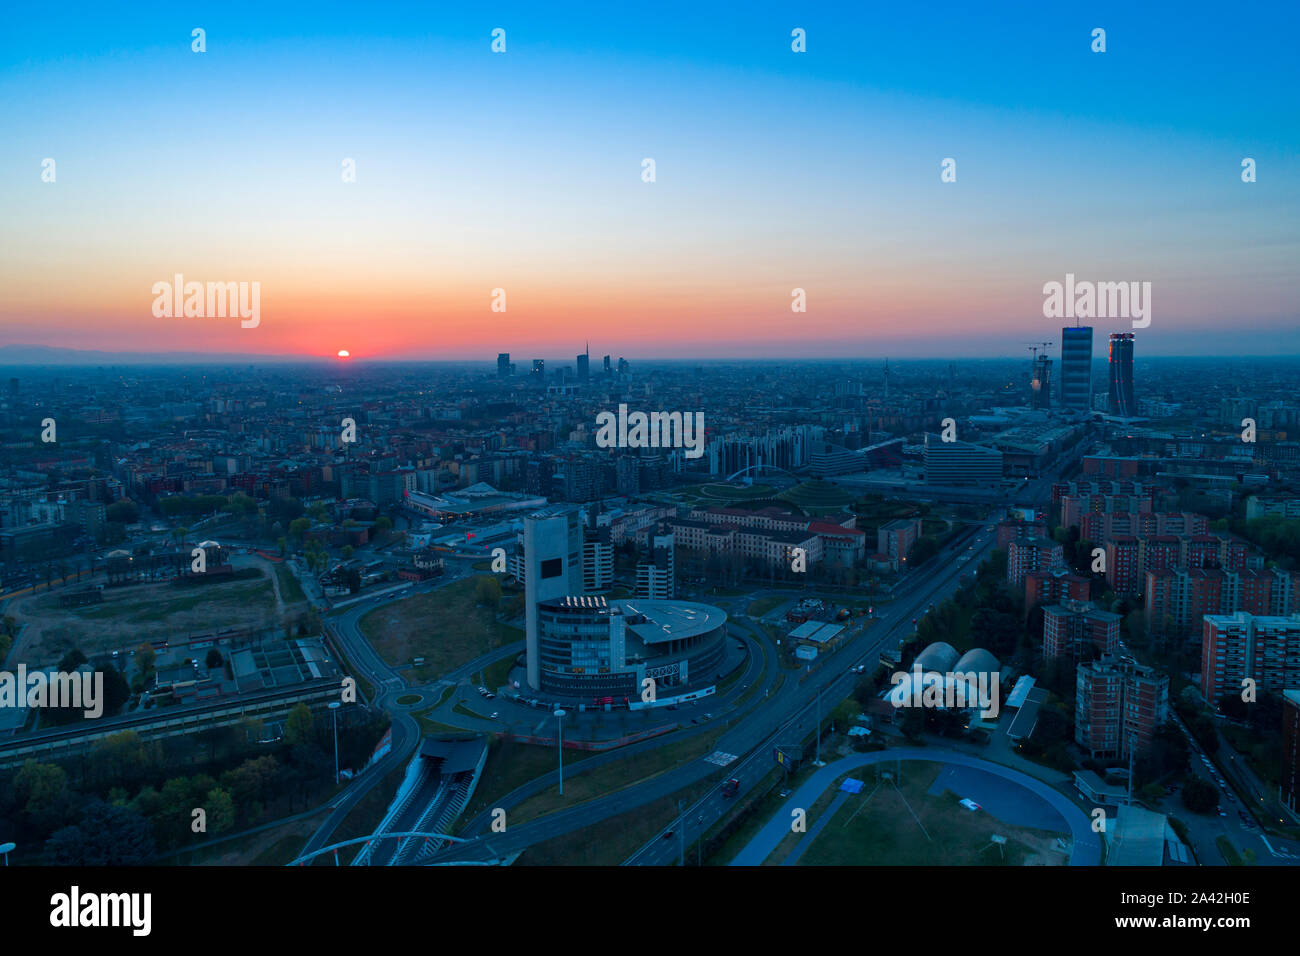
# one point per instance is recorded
(208, 544)
(119, 553)
(977, 661)
(939, 656)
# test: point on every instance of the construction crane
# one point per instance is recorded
(1039, 371)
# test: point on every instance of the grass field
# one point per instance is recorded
(511, 765)
(445, 627)
(274, 846)
(615, 776)
(495, 675)
(817, 497)
(760, 606)
(611, 841)
(134, 614)
(430, 726)
(876, 828)
(722, 493)
(290, 589)
(464, 711)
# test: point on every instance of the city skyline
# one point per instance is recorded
(523, 171)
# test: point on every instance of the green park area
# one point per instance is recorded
(448, 627)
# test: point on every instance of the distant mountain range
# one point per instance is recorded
(52, 355)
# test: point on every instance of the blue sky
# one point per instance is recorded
(817, 170)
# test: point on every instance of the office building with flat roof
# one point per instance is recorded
(1076, 368)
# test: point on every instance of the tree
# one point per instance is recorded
(1206, 735)
(1233, 706)
(220, 807)
(298, 725)
(122, 512)
(214, 658)
(925, 548)
(40, 786)
(72, 660)
(116, 690)
(487, 592)
(298, 527)
(1199, 795)
(913, 722)
(106, 836)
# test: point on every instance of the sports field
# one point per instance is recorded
(904, 822)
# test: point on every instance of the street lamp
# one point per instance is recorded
(334, 709)
(559, 723)
(5, 848)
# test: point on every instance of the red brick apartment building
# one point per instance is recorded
(1118, 704)
(1242, 645)
(1071, 625)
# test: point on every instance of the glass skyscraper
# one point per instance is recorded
(1121, 375)
(1076, 368)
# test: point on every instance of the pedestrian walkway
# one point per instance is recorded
(811, 835)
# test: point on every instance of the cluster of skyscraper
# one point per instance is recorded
(1076, 373)
(506, 368)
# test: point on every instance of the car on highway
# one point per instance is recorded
(731, 787)
(668, 834)
(494, 715)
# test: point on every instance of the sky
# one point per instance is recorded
(523, 171)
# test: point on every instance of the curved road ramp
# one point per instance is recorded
(1034, 795)
(436, 789)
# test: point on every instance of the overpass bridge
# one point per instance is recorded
(437, 787)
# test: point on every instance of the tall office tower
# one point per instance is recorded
(539, 371)
(1041, 386)
(608, 371)
(656, 579)
(584, 366)
(552, 569)
(503, 365)
(1121, 375)
(1076, 368)
(623, 367)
